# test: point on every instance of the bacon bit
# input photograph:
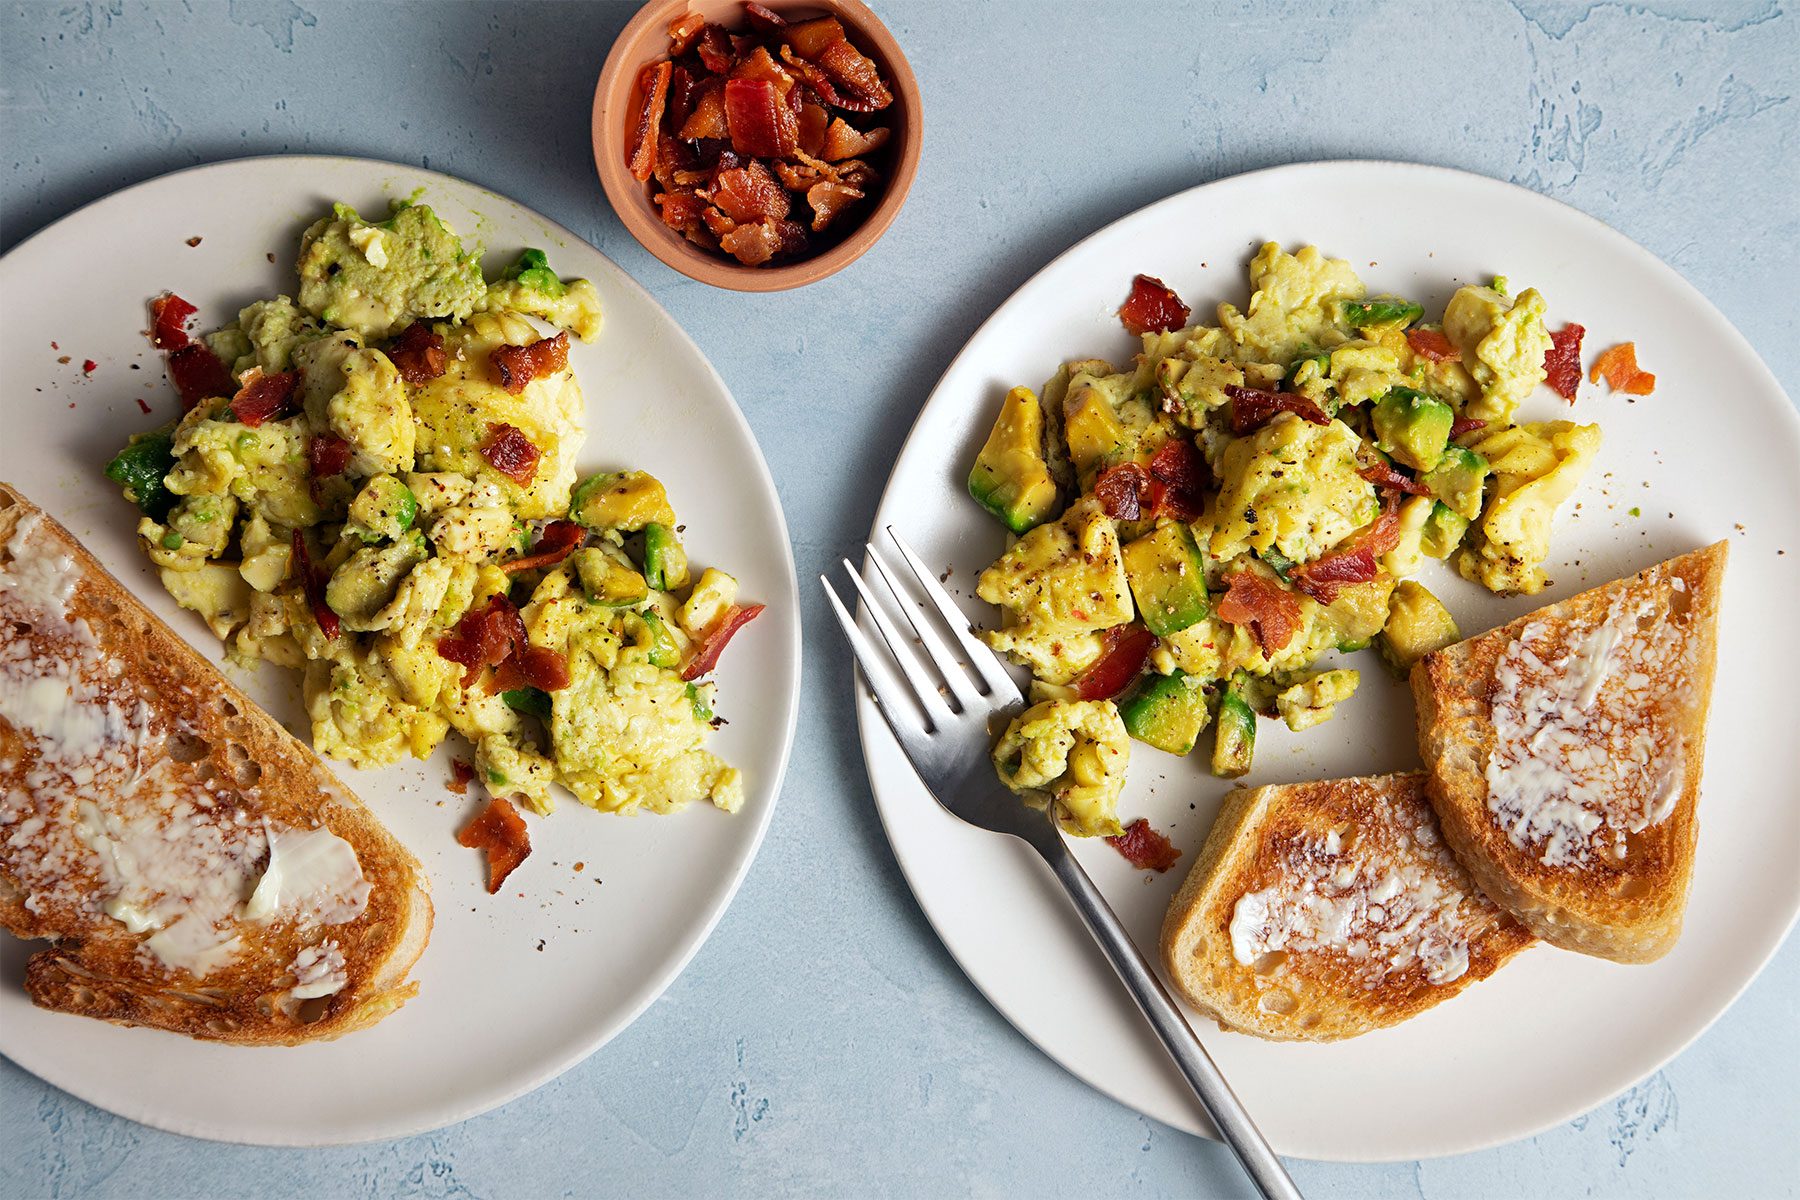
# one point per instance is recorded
(557, 541)
(511, 453)
(499, 830)
(485, 637)
(1383, 475)
(1270, 610)
(89, 366)
(169, 315)
(519, 365)
(462, 771)
(829, 198)
(1432, 344)
(809, 38)
(312, 585)
(814, 124)
(1562, 362)
(750, 193)
(1145, 848)
(198, 374)
(683, 31)
(1619, 367)
(327, 455)
(264, 397)
(714, 48)
(759, 122)
(855, 74)
(760, 241)
(654, 83)
(1125, 491)
(1183, 475)
(193, 241)
(843, 140)
(1356, 560)
(707, 121)
(762, 19)
(1152, 307)
(1124, 650)
(1462, 425)
(682, 211)
(531, 666)
(142, 406)
(418, 354)
(1252, 407)
(714, 638)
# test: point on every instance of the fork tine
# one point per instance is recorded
(891, 696)
(941, 656)
(937, 713)
(1000, 684)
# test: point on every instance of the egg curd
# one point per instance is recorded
(376, 483)
(1194, 533)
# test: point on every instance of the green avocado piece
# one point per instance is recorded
(608, 581)
(1457, 481)
(140, 468)
(1168, 578)
(1011, 477)
(1166, 711)
(1417, 624)
(533, 702)
(665, 562)
(1234, 738)
(1381, 310)
(1412, 427)
(702, 710)
(1443, 530)
(623, 500)
(663, 650)
(384, 508)
(533, 270)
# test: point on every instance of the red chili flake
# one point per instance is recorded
(462, 772)
(1152, 306)
(760, 124)
(519, 365)
(327, 455)
(88, 366)
(531, 666)
(1462, 425)
(1253, 407)
(485, 637)
(1562, 362)
(641, 157)
(1145, 848)
(1270, 610)
(499, 830)
(1125, 491)
(142, 406)
(198, 374)
(264, 397)
(418, 354)
(762, 19)
(1356, 560)
(1383, 475)
(1125, 650)
(312, 583)
(1182, 473)
(557, 541)
(511, 453)
(1432, 344)
(713, 639)
(169, 315)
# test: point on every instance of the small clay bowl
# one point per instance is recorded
(616, 99)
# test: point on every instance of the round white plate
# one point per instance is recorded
(1715, 453)
(515, 988)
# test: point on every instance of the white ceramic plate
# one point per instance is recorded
(514, 988)
(1715, 453)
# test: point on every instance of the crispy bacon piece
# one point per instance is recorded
(760, 241)
(169, 315)
(1462, 425)
(761, 124)
(461, 772)
(714, 638)
(1182, 473)
(1432, 344)
(1125, 491)
(511, 453)
(327, 455)
(682, 210)
(1270, 610)
(198, 374)
(500, 831)
(860, 87)
(762, 20)
(418, 354)
(682, 87)
(684, 31)
(264, 397)
(531, 666)
(557, 541)
(750, 193)
(1152, 307)
(485, 637)
(707, 120)
(714, 49)
(519, 365)
(1383, 475)
(1145, 848)
(312, 586)
(1619, 367)
(843, 140)
(653, 82)
(1253, 407)
(814, 125)
(814, 77)
(828, 198)
(809, 38)
(1356, 560)
(1562, 362)
(1126, 649)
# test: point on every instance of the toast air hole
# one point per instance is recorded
(1629, 888)
(186, 748)
(311, 1010)
(1269, 963)
(244, 771)
(1347, 835)
(22, 628)
(1681, 602)
(1279, 1003)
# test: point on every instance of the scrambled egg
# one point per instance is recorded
(410, 536)
(1074, 752)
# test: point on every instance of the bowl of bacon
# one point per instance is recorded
(756, 146)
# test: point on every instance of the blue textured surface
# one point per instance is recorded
(823, 1042)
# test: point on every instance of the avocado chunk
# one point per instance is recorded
(384, 508)
(533, 702)
(376, 279)
(625, 501)
(608, 581)
(1417, 624)
(1011, 477)
(1359, 612)
(1168, 578)
(1412, 427)
(140, 468)
(1234, 737)
(665, 562)
(1443, 530)
(1096, 436)
(1381, 310)
(1457, 480)
(533, 270)
(646, 629)
(1166, 711)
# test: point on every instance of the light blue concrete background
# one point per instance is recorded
(823, 1042)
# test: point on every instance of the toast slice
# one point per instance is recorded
(195, 868)
(1564, 753)
(1318, 911)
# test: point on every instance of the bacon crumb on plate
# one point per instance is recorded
(1619, 367)
(1152, 307)
(1145, 848)
(500, 831)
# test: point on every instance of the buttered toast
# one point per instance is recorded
(195, 868)
(1564, 752)
(1319, 911)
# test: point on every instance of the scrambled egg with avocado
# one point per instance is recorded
(377, 483)
(1192, 534)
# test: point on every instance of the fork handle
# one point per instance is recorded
(1215, 1094)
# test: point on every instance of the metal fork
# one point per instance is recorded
(940, 714)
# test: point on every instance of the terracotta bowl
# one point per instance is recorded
(616, 98)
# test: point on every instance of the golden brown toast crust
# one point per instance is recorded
(1617, 891)
(181, 735)
(1424, 936)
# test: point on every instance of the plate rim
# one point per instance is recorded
(659, 982)
(868, 716)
